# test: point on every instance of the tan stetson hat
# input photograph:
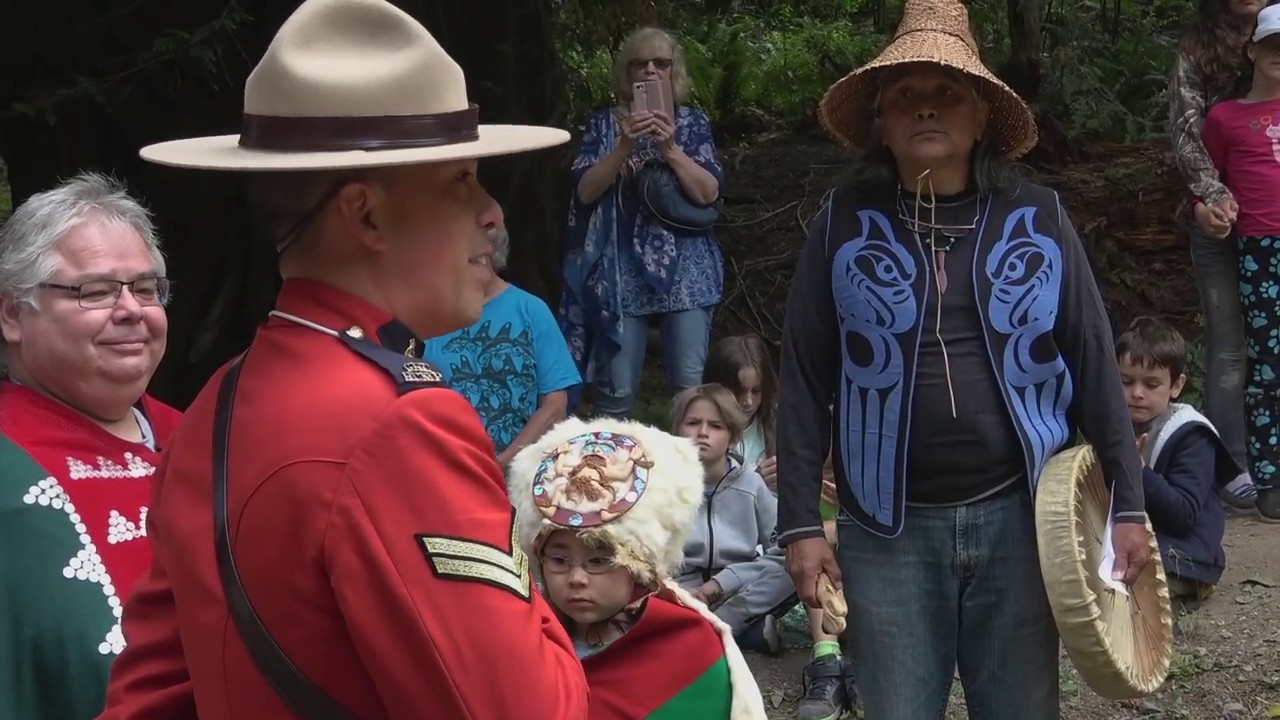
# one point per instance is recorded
(931, 31)
(1120, 642)
(353, 84)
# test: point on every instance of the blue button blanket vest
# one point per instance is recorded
(1037, 299)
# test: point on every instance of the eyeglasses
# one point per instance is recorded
(660, 63)
(100, 294)
(560, 565)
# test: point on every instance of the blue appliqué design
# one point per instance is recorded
(1025, 269)
(871, 282)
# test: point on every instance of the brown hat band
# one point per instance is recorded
(369, 132)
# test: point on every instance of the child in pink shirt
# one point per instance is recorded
(1243, 139)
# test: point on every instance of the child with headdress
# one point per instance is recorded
(602, 512)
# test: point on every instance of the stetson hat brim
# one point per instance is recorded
(224, 152)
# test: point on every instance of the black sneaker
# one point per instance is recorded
(1269, 505)
(824, 696)
(850, 680)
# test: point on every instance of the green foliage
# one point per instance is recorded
(776, 72)
(1109, 85)
(589, 85)
(653, 410)
(1193, 392)
(174, 55)
(746, 70)
(763, 65)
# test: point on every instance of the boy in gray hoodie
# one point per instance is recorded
(731, 560)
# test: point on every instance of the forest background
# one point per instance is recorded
(86, 85)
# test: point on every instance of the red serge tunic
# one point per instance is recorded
(373, 535)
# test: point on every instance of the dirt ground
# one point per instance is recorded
(1226, 664)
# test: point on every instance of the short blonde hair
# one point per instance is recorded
(718, 395)
(630, 50)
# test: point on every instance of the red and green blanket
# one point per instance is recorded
(673, 664)
(73, 510)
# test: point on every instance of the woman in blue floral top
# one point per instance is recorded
(625, 268)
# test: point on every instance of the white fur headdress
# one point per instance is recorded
(629, 486)
(635, 489)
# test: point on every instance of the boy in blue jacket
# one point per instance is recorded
(1184, 461)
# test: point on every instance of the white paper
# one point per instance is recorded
(1108, 564)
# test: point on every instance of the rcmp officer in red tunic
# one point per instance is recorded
(332, 533)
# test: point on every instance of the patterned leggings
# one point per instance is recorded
(1260, 302)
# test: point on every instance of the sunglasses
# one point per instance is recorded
(660, 63)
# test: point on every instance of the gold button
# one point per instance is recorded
(355, 333)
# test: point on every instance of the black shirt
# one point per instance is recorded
(817, 351)
(952, 460)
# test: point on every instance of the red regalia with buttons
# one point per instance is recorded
(102, 483)
(74, 501)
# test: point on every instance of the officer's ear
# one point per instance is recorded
(360, 203)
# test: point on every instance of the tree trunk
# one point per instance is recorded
(1022, 71)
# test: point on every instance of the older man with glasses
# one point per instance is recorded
(82, 295)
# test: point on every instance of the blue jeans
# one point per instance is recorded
(1217, 271)
(685, 336)
(960, 585)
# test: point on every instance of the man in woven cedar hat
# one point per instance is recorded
(948, 309)
(332, 534)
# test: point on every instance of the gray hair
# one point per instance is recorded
(646, 37)
(28, 238)
(501, 249)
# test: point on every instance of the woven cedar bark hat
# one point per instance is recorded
(931, 31)
(353, 84)
(1122, 645)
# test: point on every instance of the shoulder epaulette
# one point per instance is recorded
(408, 372)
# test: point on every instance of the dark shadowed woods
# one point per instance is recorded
(88, 92)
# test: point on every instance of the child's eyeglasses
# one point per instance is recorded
(559, 564)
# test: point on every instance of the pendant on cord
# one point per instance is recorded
(940, 269)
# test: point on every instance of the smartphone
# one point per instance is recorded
(653, 96)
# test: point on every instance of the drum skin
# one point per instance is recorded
(1121, 645)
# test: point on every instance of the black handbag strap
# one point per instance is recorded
(303, 697)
